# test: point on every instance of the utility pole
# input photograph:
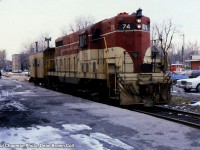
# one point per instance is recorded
(183, 47)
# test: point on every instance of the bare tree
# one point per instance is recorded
(81, 22)
(163, 35)
(175, 54)
(64, 30)
(30, 48)
(24, 62)
(191, 49)
(42, 44)
(27, 48)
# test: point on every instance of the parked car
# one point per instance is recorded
(17, 71)
(195, 73)
(187, 72)
(188, 84)
(175, 76)
(25, 72)
(191, 73)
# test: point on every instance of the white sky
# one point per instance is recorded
(25, 20)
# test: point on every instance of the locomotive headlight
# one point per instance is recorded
(139, 26)
(138, 20)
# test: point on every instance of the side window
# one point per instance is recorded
(82, 67)
(95, 35)
(87, 67)
(41, 62)
(57, 64)
(59, 43)
(94, 66)
(61, 63)
(83, 40)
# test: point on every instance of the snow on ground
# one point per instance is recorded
(39, 137)
(75, 127)
(30, 138)
(24, 93)
(4, 93)
(16, 76)
(78, 136)
(195, 104)
(7, 101)
(110, 140)
(13, 106)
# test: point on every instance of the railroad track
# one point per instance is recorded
(182, 117)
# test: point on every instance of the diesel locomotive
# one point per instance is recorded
(112, 57)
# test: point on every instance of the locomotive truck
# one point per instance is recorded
(112, 57)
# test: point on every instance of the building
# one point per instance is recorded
(194, 62)
(16, 62)
(19, 62)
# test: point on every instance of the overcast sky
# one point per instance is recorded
(25, 20)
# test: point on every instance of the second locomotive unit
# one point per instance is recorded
(112, 57)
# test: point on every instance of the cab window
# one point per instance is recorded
(83, 40)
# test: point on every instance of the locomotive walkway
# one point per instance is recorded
(36, 118)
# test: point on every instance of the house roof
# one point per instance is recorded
(192, 60)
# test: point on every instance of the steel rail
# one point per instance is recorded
(191, 124)
(189, 113)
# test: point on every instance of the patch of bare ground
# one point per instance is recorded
(184, 103)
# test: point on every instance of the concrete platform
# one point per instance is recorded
(60, 121)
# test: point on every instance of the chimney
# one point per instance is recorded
(36, 46)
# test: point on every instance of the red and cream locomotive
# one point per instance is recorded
(112, 56)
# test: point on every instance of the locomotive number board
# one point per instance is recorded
(125, 26)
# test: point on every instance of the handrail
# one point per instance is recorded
(127, 87)
(107, 68)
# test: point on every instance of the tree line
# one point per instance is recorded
(162, 36)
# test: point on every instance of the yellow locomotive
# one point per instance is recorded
(112, 57)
